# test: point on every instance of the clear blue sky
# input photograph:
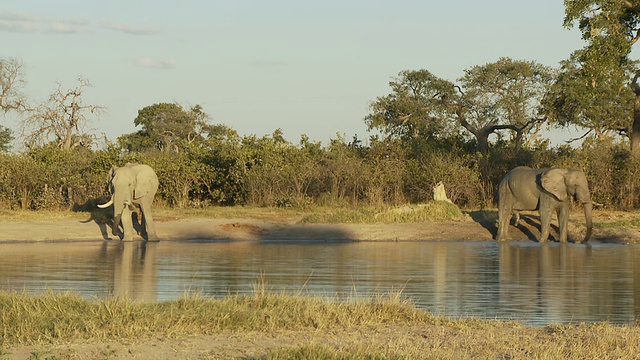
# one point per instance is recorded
(305, 67)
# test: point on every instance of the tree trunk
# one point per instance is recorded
(635, 128)
(634, 137)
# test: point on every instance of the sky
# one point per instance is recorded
(306, 67)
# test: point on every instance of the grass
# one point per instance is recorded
(624, 223)
(59, 317)
(382, 327)
(431, 211)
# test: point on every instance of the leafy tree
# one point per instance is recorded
(414, 108)
(167, 127)
(610, 29)
(62, 119)
(590, 98)
(503, 95)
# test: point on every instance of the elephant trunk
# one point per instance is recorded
(589, 223)
(116, 224)
(119, 203)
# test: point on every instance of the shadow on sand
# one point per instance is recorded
(527, 229)
(103, 218)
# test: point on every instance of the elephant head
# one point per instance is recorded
(564, 183)
(131, 185)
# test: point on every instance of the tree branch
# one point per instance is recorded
(579, 138)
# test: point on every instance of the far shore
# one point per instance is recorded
(271, 225)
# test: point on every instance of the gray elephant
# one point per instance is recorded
(545, 190)
(131, 186)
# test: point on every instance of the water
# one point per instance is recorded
(532, 283)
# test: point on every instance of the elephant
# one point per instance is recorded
(132, 186)
(545, 190)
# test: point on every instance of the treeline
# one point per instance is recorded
(270, 171)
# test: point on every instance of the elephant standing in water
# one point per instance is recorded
(132, 186)
(544, 190)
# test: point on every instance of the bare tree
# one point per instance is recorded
(63, 119)
(11, 82)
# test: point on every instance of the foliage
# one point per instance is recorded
(591, 97)
(167, 127)
(601, 69)
(227, 169)
(6, 138)
(504, 95)
(413, 109)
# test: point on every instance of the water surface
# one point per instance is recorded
(536, 284)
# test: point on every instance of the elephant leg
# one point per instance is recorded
(516, 214)
(504, 217)
(563, 223)
(545, 223)
(147, 222)
(127, 224)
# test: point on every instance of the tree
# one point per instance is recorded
(62, 119)
(11, 81)
(610, 29)
(590, 97)
(505, 95)
(414, 108)
(167, 127)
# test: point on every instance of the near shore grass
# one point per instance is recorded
(389, 327)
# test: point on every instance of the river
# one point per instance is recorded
(525, 281)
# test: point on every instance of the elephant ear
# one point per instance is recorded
(142, 188)
(553, 181)
(111, 172)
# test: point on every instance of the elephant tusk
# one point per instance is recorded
(109, 203)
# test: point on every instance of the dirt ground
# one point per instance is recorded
(245, 345)
(476, 226)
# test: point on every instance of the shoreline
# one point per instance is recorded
(171, 228)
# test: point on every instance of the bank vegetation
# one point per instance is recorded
(297, 326)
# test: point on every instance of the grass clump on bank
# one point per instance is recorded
(432, 211)
(51, 317)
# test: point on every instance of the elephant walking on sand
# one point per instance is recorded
(545, 190)
(132, 186)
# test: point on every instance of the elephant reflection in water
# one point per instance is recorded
(135, 273)
(529, 273)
